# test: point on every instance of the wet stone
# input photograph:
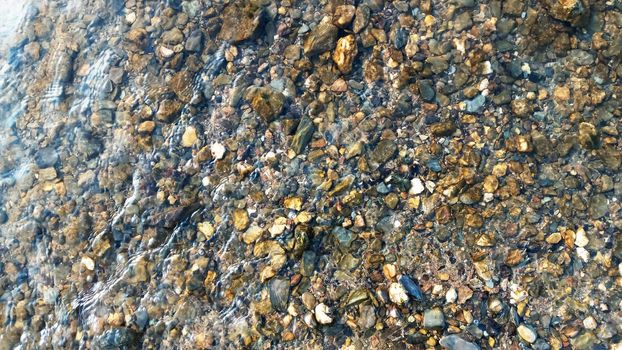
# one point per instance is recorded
(426, 90)
(323, 38)
(303, 135)
(181, 84)
(343, 15)
(599, 206)
(279, 293)
(455, 342)
(476, 104)
(412, 288)
(588, 136)
(240, 219)
(576, 12)
(463, 21)
(527, 333)
(361, 18)
(383, 151)
(343, 236)
(241, 21)
(584, 341)
(433, 319)
(344, 53)
(443, 128)
(307, 263)
(46, 157)
(194, 41)
(267, 102)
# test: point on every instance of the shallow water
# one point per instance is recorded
(260, 174)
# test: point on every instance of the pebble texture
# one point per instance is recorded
(272, 174)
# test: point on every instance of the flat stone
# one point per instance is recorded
(181, 84)
(588, 136)
(194, 42)
(599, 206)
(46, 157)
(416, 186)
(445, 128)
(384, 150)
(279, 294)
(361, 18)
(146, 127)
(167, 109)
(397, 293)
(303, 135)
(475, 105)
(252, 234)
(463, 21)
(294, 203)
(172, 37)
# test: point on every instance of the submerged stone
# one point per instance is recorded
(323, 38)
(303, 135)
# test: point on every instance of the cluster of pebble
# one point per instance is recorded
(322, 174)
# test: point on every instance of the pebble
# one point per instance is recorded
(189, 138)
(454, 342)
(590, 323)
(240, 219)
(581, 239)
(416, 186)
(217, 150)
(433, 319)
(397, 293)
(527, 333)
(279, 293)
(88, 263)
(323, 38)
(451, 296)
(345, 52)
(322, 313)
(303, 135)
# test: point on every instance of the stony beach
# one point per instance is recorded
(312, 174)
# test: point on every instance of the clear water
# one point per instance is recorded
(101, 243)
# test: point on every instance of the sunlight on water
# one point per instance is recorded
(11, 15)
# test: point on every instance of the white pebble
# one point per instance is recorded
(416, 186)
(581, 240)
(527, 333)
(487, 69)
(218, 150)
(451, 296)
(165, 51)
(590, 323)
(130, 17)
(437, 289)
(583, 254)
(321, 314)
(88, 263)
(397, 293)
